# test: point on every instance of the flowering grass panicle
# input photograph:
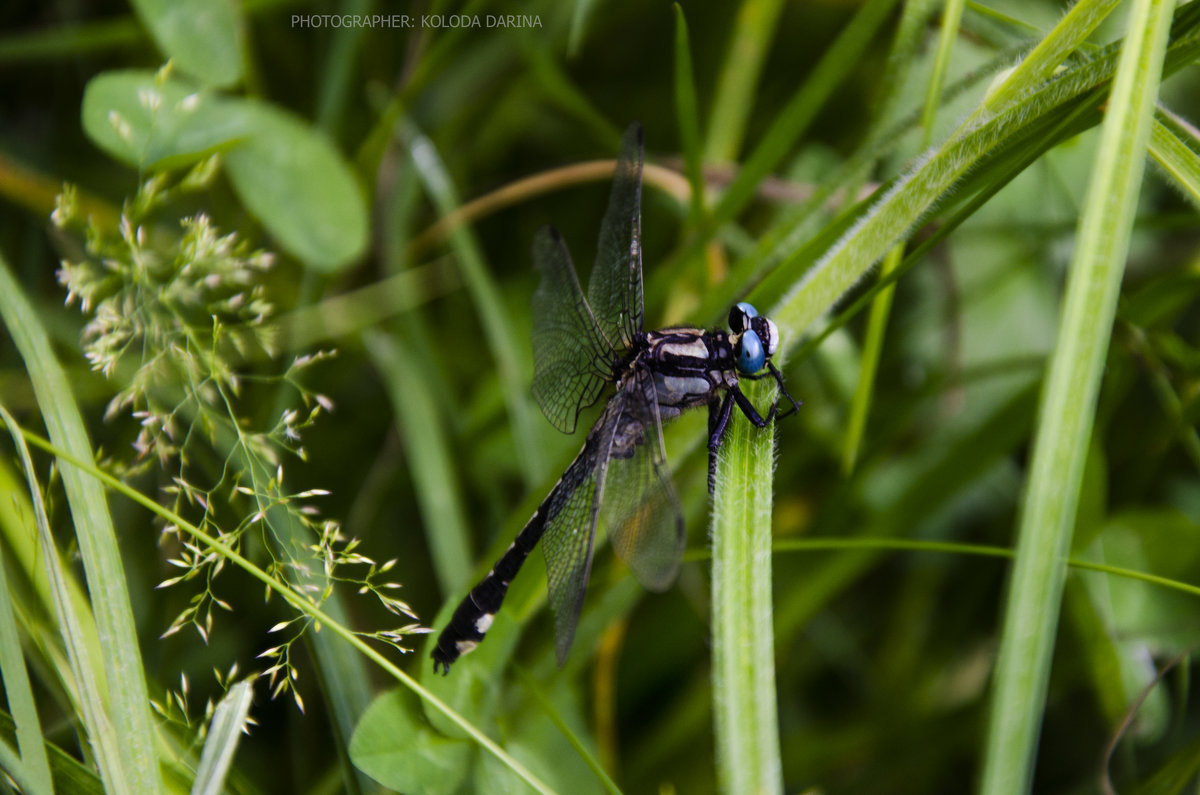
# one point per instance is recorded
(180, 322)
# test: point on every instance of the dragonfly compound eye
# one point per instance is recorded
(739, 317)
(768, 333)
(750, 354)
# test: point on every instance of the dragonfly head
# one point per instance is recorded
(754, 338)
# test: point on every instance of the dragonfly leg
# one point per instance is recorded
(719, 412)
(775, 414)
(748, 408)
(779, 380)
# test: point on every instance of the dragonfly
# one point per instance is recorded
(619, 480)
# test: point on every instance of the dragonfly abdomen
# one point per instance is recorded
(474, 615)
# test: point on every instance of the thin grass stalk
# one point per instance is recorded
(125, 682)
(428, 452)
(1068, 406)
(746, 722)
(688, 116)
(881, 307)
(1064, 38)
(872, 351)
(951, 18)
(19, 694)
(300, 601)
(493, 315)
(93, 712)
(748, 44)
(1178, 160)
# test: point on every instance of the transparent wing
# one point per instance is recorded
(571, 529)
(640, 511)
(572, 359)
(615, 286)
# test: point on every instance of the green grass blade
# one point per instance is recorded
(64, 42)
(1068, 406)
(1178, 160)
(752, 35)
(336, 77)
(12, 765)
(559, 88)
(881, 307)
(843, 56)
(70, 775)
(18, 693)
(1065, 38)
(579, 20)
(686, 110)
(97, 722)
(301, 602)
(951, 18)
(534, 689)
(497, 325)
(224, 733)
(429, 458)
(125, 683)
(747, 729)
(872, 351)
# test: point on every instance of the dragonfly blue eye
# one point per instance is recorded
(739, 317)
(580, 343)
(750, 355)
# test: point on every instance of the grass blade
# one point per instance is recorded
(302, 603)
(747, 730)
(99, 725)
(951, 18)
(835, 65)
(689, 116)
(1068, 405)
(872, 351)
(752, 35)
(430, 460)
(19, 695)
(224, 732)
(1067, 36)
(125, 683)
(881, 308)
(497, 324)
(1179, 161)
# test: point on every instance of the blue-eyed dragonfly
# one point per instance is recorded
(620, 479)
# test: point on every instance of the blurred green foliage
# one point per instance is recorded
(340, 147)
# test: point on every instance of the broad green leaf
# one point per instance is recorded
(151, 122)
(286, 173)
(199, 36)
(536, 740)
(393, 746)
(294, 180)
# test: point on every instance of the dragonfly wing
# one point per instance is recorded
(615, 286)
(641, 512)
(572, 358)
(571, 528)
